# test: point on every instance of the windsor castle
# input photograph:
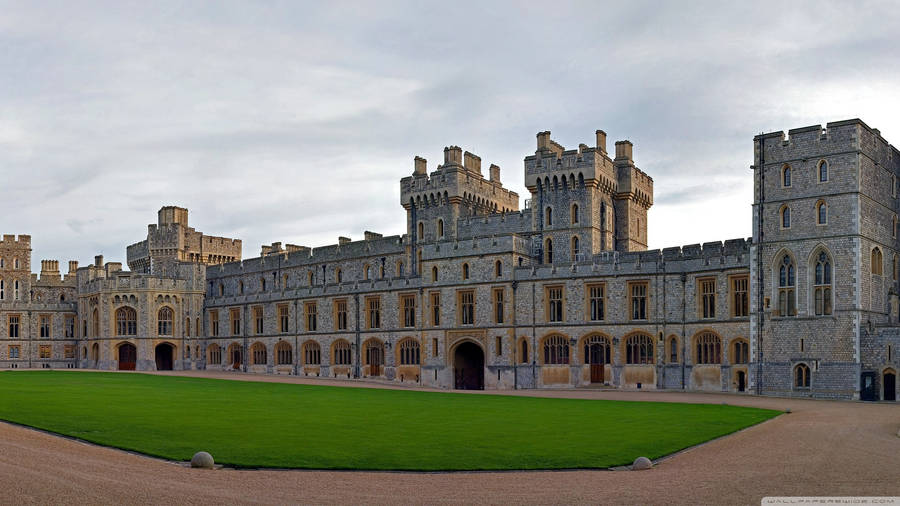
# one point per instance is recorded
(480, 294)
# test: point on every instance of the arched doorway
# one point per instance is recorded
(596, 353)
(127, 357)
(889, 380)
(741, 381)
(374, 356)
(235, 356)
(468, 367)
(164, 353)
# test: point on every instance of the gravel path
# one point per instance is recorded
(821, 448)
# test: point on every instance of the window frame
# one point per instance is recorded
(631, 285)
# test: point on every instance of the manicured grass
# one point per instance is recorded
(252, 424)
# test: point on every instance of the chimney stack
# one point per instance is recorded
(601, 141)
(419, 166)
(453, 156)
(543, 140)
(73, 266)
(623, 150)
(495, 173)
(98, 261)
(473, 162)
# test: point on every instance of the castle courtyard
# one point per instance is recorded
(821, 448)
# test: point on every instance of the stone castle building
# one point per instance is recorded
(479, 293)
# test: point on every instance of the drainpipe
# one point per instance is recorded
(533, 340)
(683, 337)
(759, 262)
(356, 368)
(296, 338)
(515, 284)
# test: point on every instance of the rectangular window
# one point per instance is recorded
(596, 302)
(638, 293)
(214, 323)
(740, 299)
(44, 325)
(434, 347)
(408, 306)
(467, 307)
(340, 313)
(435, 308)
(69, 351)
(14, 351)
(498, 345)
(44, 351)
(554, 296)
(707, 289)
(235, 322)
(283, 319)
(258, 319)
(373, 313)
(309, 309)
(498, 305)
(13, 325)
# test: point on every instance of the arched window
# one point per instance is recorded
(548, 251)
(409, 352)
(709, 349)
(740, 352)
(785, 217)
(787, 305)
(213, 354)
(312, 353)
(575, 249)
(421, 231)
(823, 171)
(16, 290)
(126, 321)
(434, 274)
(309, 278)
(498, 268)
(2, 290)
(877, 260)
(548, 214)
(241, 287)
(164, 321)
(574, 214)
(440, 228)
(822, 284)
(639, 349)
(339, 275)
(367, 272)
(262, 284)
(95, 323)
(556, 350)
(597, 350)
(381, 271)
(523, 354)
(341, 352)
(822, 213)
(284, 354)
(465, 271)
(786, 176)
(673, 350)
(801, 376)
(400, 269)
(258, 353)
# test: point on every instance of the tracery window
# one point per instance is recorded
(556, 350)
(164, 325)
(787, 302)
(801, 376)
(126, 321)
(709, 348)
(639, 349)
(822, 285)
(409, 352)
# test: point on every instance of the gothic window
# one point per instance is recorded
(822, 213)
(241, 288)
(596, 302)
(823, 171)
(597, 350)
(95, 323)
(574, 214)
(467, 307)
(434, 274)
(16, 290)
(575, 249)
(822, 285)
(549, 217)
(465, 271)
(498, 305)
(400, 269)
(310, 311)
(342, 352)
(639, 349)
(740, 300)
(707, 298)
(284, 355)
(740, 352)
(126, 321)
(801, 376)
(785, 217)
(673, 350)
(409, 352)
(2, 290)
(709, 349)
(312, 353)
(367, 272)
(258, 353)
(408, 310)
(164, 324)
(523, 356)
(639, 301)
(340, 309)
(440, 228)
(786, 176)
(421, 230)
(339, 275)
(556, 350)
(554, 296)
(877, 261)
(787, 305)
(548, 251)
(498, 268)
(214, 354)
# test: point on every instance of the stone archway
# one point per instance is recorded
(127, 357)
(165, 353)
(468, 366)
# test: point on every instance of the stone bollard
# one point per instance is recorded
(202, 460)
(641, 463)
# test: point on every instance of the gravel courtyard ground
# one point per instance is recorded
(821, 448)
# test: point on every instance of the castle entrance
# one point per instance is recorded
(127, 357)
(741, 381)
(468, 367)
(596, 353)
(164, 353)
(890, 386)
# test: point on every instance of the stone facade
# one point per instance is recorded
(481, 294)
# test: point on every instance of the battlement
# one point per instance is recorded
(275, 248)
(552, 166)
(835, 137)
(10, 241)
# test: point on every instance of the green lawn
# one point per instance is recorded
(251, 424)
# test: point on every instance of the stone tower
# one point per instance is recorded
(583, 202)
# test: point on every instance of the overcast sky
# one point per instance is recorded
(279, 121)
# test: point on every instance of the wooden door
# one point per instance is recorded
(596, 355)
(597, 371)
(127, 357)
(374, 360)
